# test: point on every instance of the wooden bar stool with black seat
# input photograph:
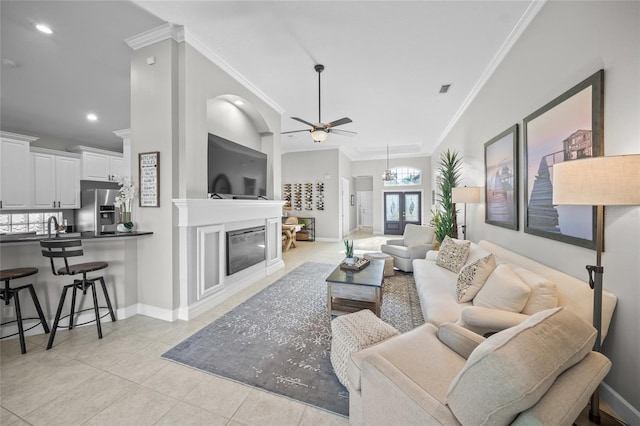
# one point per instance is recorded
(8, 293)
(72, 248)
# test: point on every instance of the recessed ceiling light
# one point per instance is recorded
(44, 28)
(92, 117)
(238, 102)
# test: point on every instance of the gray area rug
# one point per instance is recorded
(279, 340)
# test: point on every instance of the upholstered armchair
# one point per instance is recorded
(415, 243)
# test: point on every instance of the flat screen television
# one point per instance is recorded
(235, 170)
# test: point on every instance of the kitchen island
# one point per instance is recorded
(120, 250)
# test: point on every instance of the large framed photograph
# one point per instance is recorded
(501, 179)
(568, 128)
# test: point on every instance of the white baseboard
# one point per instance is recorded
(619, 405)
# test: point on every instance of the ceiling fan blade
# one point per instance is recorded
(295, 131)
(343, 132)
(303, 121)
(340, 122)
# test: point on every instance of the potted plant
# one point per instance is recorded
(348, 251)
(449, 176)
(123, 204)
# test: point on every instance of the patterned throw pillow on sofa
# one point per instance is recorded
(473, 276)
(453, 254)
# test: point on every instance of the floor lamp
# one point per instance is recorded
(597, 181)
(466, 195)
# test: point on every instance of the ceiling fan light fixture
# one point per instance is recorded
(319, 135)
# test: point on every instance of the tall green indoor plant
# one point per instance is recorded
(449, 167)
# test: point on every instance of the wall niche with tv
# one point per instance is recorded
(234, 170)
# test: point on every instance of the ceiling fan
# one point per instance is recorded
(320, 131)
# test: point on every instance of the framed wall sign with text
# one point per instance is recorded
(149, 178)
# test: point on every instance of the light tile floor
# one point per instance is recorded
(122, 380)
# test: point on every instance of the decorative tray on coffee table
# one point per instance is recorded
(360, 264)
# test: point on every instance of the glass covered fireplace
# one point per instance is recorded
(245, 247)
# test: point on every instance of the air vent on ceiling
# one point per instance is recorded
(444, 88)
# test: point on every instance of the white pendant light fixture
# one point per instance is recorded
(387, 176)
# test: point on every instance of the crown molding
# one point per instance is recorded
(123, 134)
(518, 30)
(179, 34)
(17, 137)
(226, 67)
(154, 35)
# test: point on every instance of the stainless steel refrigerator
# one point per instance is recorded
(97, 214)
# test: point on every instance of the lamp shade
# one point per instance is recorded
(466, 194)
(598, 181)
(319, 135)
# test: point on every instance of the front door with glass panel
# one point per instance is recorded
(401, 208)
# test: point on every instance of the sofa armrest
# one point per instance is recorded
(391, 397)
(396, 242)
(419, 251)
(459, 339)
(569, 394)
(486, 320)
(432, 255)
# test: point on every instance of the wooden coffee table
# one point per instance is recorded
(350, 291)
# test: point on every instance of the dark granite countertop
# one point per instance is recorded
(26, 238)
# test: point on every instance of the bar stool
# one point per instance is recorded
(7, 293)
(72, 248)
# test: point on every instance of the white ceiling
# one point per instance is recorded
(385, 62)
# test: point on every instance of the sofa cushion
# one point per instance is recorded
(452, 254)
(503, 290)
(394, 250)
(544, 293)
(472, 277)
(459, 339)
(437, 292)
(494, 385)
(417, 234)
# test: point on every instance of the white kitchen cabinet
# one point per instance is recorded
(56, 181)
(15, 179)
(100, 164)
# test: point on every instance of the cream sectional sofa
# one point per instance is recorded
(444, 373)
(437, 291)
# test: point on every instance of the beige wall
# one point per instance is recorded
(566, 43)
(317, 166)
(172, 113)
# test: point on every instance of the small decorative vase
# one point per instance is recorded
(349, 260)
(125, 217)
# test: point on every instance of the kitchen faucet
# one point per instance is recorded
(55, 221)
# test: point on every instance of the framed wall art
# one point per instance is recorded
(149, 178)
(568, 128)
(501, 179)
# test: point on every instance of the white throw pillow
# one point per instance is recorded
(544, 293)
(452, 254)
(503, 290)
(511, 370)
(473, 276)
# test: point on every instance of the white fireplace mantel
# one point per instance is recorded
(199, 212)
(203, 224)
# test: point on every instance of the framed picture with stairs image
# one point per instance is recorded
(501, 179)
(568, 128)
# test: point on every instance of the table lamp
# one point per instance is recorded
(465, 194)
(597, 181)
